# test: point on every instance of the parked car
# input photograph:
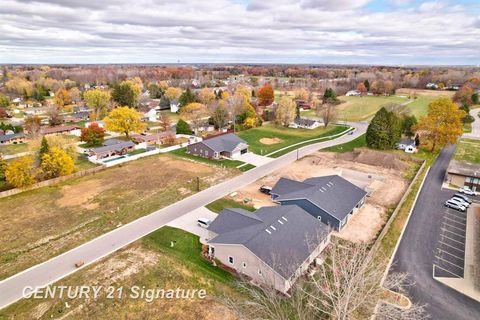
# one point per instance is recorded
(203, 222)
(462, 196)
(454, 205)
(466, 190)
(266, 189)
(461, 201)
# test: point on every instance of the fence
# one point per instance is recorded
(51, 182)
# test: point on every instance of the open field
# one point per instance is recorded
(14, 148)
(268, 138)
(425, 92)
(468, 150)
(384, 175)
(419, 107)
(55, 219)
(227, 202)
(152, 263)
(362, 108)
(359, 142)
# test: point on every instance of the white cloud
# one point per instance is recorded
(224, 30)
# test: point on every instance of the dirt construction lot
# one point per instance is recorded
(45, 222)
(386, 185)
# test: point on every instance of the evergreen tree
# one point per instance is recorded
(329, 96)
(183, 127)
(408, 123)
(44, 148)
(384, 130)
(187, 97)
(367, 84)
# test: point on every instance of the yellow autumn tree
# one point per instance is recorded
(206, 96)
(19, 172)
(62, 97)
(98, 100)
(124, 120)
(173, 93)
(195, 113)
(442, 124)
(285, 112)
(56, 162)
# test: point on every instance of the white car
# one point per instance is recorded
(460, 201)
(203, 222)
(466, 190)
(455, 205)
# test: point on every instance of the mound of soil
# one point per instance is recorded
(269, 141)
(374, 158)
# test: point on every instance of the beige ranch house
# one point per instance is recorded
(221, 146)
(272, 246)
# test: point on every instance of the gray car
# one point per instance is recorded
(462, 196)
(460, 201)
(455, 205)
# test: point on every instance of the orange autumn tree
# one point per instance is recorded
(361, 88)
(265, 95)
(443, 123)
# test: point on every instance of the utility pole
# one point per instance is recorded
(198, 184)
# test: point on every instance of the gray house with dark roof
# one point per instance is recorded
(112, 147)
(273, 245)
(222, 146)
(331, 199)
(12, 138)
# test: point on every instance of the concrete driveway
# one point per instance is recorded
(255, 159)
(188, 222)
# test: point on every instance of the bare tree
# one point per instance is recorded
(345, 286)
(164, 121)
(54, 116)
(32, 125)
(327, 112)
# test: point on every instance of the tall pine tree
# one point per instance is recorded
(384, 130)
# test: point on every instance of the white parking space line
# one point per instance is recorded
(446, 244)
(454, 221)
(456, 212)
(456, 275)
(452, 239)
(453, 264)
(452, 226)
(458, 235)
(456, 217)
(450, 254)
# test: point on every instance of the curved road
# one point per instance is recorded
(415, 254)
(41, 275)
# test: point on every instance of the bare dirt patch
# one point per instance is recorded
(423, 92)
(81, 194)
(385, 185)
(270, 141)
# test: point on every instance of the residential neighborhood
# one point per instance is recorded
(239, 160)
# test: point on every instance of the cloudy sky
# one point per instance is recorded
(249, 31)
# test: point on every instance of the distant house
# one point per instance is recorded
(407, 145)
(304, 123)
(330, 199)
(303, 105)
(156, 138)
(431, 86)
(110, 148)
(273, 246)
(221, 146)
(78, 116)
(150, 115)
(464, 174)
(353, 93)
(14, 138)
(73, 130)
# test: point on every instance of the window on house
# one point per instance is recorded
(230, 259)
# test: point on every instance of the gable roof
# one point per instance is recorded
(8, 137)
(285, 185)
(225, 142)
(283, 236)
(114, 147)
(59, 129)
(333, 194)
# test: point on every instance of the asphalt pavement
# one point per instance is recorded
(11, 289)
(418, 249)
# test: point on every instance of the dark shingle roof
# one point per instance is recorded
(293, 234)
(226, 142)
(232, 219)
(8, 137)
(333, 194)
(114, 147)
(284, 186)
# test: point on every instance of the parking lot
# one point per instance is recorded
(449, 255)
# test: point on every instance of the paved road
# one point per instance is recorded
(57, 268)
(475, 134)
(415, 253)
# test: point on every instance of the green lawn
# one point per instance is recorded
(222, 203)
(359, 142)
(187, 248)
(246, 167)
(419, 106)
(362, 108)
(14, 148)
(287, 136)
(137, 151)
(225, 162)
(468, 150)
(82, 163)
